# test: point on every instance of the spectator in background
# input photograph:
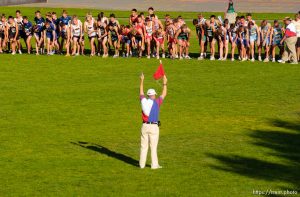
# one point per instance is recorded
(297, 24)
(290, 39)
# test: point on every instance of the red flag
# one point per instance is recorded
(159, 72)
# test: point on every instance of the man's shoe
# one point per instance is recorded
(157, 167)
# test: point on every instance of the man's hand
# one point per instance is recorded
(164, 91)
(142, 84)
(165, 80)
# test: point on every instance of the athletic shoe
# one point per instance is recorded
(266, 60)
(156, 167)
(244, 59)
(20, 52)
(157, 57)
(220, 59)
(181, 58)
(232, 59)
(187, 57)
(176, 56)
(13, 53)
(200, 58)
(224, 59)
(252, 60)
(77, 54)
(115, 56)
(212, 58)
(273, 60)
(148, 56)
(259, 58)
(281, 61)
(240, 58)
(294, 63)
(204, 54)
(163, 56)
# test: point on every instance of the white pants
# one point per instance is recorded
(149, 133)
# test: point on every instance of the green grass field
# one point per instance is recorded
(70, 127)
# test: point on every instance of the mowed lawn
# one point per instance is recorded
(70, 126)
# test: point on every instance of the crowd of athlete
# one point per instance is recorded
(144, 35)
(244, 35)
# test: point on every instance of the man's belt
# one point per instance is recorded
(150, 122)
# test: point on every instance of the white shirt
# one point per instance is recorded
(76, 29)
(201, 21)
(291, 27)
(2, 26)
(297, 26)
(146, 106)
(104, 19)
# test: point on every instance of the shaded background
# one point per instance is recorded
(179, 5)
(17, 2)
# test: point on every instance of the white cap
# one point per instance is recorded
(151, 92)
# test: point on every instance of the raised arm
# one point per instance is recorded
(164, 91)
(142, 85)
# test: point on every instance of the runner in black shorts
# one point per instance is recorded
(210, 38)
(27, 29)
(65, 37)
(13, 34)
(3, 37)
(113, 37)
(102, 38)
(21, 34)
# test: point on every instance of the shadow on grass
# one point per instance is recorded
(284, 144)
(108, 152)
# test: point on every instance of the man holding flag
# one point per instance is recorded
(150, 116)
